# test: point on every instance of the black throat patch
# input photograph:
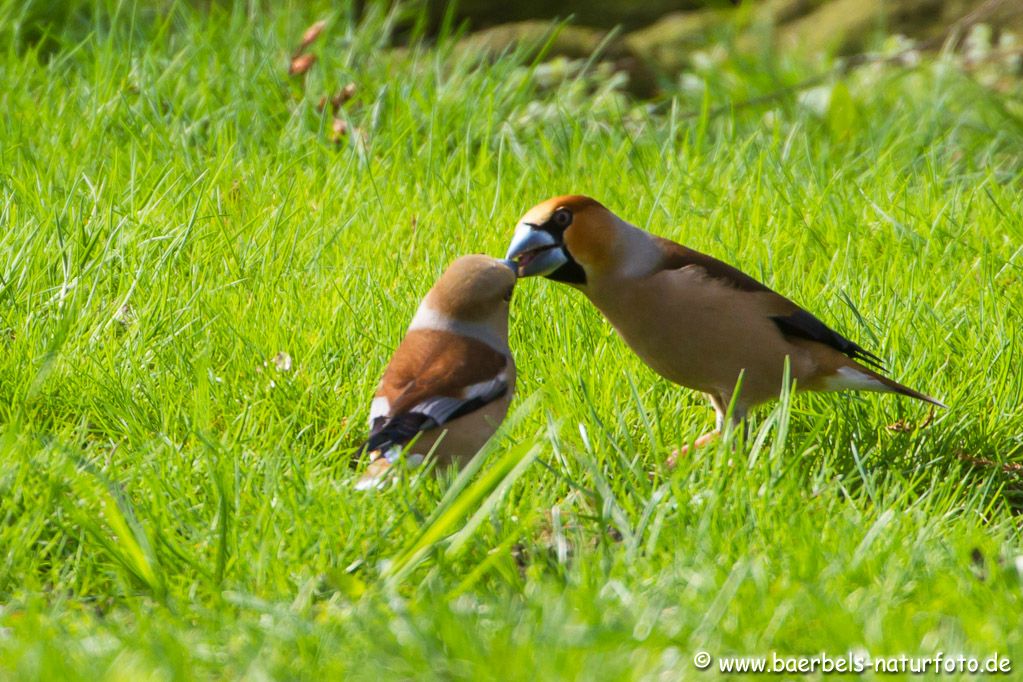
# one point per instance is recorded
(571, 272)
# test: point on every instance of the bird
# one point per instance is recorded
(448, 384)
(693, 319)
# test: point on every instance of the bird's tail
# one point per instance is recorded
(892, 386)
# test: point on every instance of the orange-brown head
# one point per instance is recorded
(565, 237)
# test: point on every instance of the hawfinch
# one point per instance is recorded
(450, 381)
(694, 320)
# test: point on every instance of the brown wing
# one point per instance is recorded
(431, 363)
(434, 377)
(677, 257)
(791, 319)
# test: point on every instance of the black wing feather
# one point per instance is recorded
(803, 325)
(398, 430)
(799, 323)
(401, 429)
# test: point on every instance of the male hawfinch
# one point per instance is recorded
(694, 320)
(450, 381)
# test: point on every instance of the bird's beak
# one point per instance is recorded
(509, 263)
(536, 251)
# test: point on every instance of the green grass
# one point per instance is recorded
(173, 506)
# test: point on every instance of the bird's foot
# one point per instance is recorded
(375, 476)
(673, 458)
(377, 473)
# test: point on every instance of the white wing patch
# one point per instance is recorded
(487, 390)
(380, 407)
(849, 378)
(438, 409)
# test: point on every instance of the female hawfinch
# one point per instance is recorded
(450, 381)
(694, 320)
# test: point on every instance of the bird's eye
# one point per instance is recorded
(508, 294)
(562, 217)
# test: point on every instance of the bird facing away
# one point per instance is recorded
(694, 320)
(449, 382)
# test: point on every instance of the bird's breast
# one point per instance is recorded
(696, 332)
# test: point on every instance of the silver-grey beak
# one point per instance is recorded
(536, 251)
(509, 263)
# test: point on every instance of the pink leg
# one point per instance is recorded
(720, 409)
(684, 450)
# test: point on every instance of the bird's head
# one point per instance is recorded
(474, 288)
(564, 238)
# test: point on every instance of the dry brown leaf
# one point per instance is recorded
(342, 96)
(300, 64)
(672, 460)
(983, 462)
(337, 100)
(521, 556)
(902, 426)
(310, 35)
(282, 361)
(338, 129)
(125, 316)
